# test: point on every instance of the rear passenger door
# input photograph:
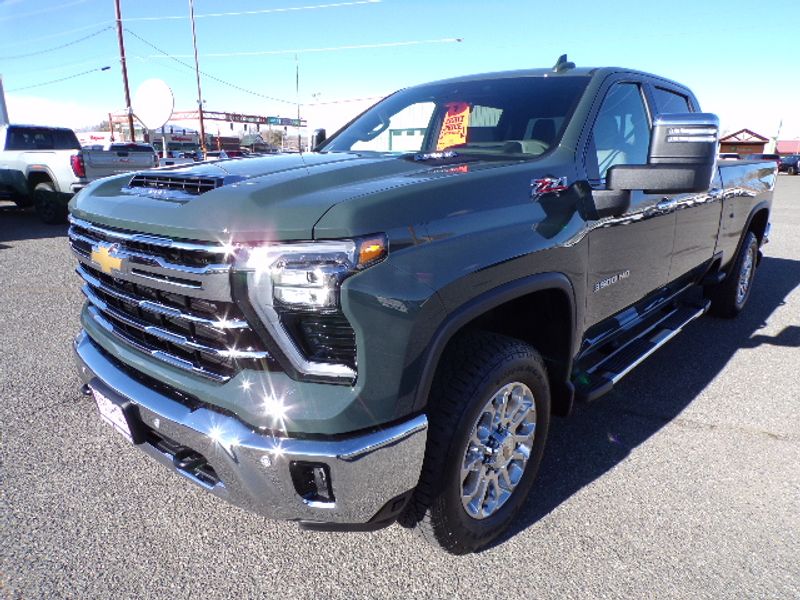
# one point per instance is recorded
(629, 255)
(697, 215)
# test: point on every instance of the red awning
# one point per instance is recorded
(788, 147)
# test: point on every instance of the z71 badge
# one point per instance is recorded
(547, 185)
(608, 281)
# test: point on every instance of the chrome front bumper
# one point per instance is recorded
(367, 472)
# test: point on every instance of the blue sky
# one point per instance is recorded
(739, 56)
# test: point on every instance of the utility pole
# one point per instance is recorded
(3, 109)
(124, 70)
(197, 74)
(297, 92)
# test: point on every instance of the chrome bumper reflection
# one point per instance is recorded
(253, 468)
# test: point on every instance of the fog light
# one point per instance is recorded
(312, 481)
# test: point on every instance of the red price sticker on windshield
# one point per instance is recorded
(454, 128)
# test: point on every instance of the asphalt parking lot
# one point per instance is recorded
(683, 482)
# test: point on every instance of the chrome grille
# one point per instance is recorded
(183, 255)
(181, 315)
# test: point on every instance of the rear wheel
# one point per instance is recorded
(729, 297)
(792, 170)
(489, 416)
(49, 204)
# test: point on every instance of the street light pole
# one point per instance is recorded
(129, 110)
(197, 75)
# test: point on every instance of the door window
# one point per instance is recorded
(621, 134)
(670, 102)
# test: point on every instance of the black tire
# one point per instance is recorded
(728, 298)
(473, 369)
(49, 204)
(22, 201)
(792, 170)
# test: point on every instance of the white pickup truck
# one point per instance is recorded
(45, 166)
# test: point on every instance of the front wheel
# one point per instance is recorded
(489, 416)
(792, 170)
(49, 204)
(22, 200)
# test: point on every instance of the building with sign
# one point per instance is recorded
(743, 142)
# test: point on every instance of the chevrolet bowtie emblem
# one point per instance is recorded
(101, 256)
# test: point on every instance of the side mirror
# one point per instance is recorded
(317, 138)
(682, 156)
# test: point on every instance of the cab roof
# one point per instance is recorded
(550, 72)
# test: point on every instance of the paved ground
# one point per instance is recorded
(684, 482)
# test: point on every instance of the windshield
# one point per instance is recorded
(518, 116)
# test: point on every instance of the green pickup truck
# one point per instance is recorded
(380, 330)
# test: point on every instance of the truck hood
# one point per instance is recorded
(259, 199)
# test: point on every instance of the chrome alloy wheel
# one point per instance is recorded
(499, 446)
(745, 275)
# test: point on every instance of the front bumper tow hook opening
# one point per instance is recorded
(188, 460)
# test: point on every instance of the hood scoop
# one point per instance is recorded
(177, 188)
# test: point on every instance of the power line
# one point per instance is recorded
(54, 48)
(326, 49)
(59, 68)
(49, 9)
(346, 100)
(217, 79)
(28, 41)
(263, 11)
(27, 87)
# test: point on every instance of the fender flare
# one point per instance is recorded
(45, 170)
(483, 303)
(763, 205)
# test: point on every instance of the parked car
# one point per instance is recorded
(45, 166)
(790, 164)
(360, 335)
(175, 158)
(116, 158)
(36, 168)
(223, 154)
(776, 158)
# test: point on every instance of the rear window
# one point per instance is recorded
(41, 138)
(131, 148)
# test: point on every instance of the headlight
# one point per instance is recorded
(307, 275)
(304, 277)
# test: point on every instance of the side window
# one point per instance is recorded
(671, 102)
(404, 132)
(621, 134)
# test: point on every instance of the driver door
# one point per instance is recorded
(629, 255)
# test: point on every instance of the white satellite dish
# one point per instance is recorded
(153, 103)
